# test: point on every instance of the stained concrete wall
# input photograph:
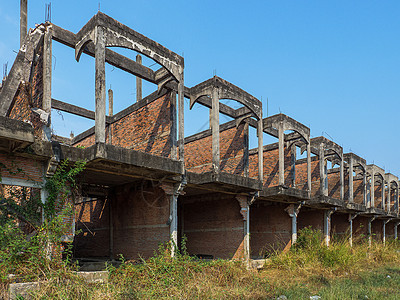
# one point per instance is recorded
(270, 228)
(213, 225)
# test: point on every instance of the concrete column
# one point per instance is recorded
(370, 230)
(388, 197)
(260, 130)
(351, 185)
(309, 168)
(322, 173)
(293, 211)
(327, 226)
(351, 218)
(342, 179)
(396, 201)
(110, 113)
(23, 19)
(174, 126)
(138, 81)
(215, 129)
(100, 113)
(396, 224)
(372, 190)
(246, 150)
(384, 230)
(365, 188)
(111, 230)
(47, 62)
(293, 162)
(181, 118)
(245, 212)
(281, 154)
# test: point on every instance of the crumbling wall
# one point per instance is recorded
(213, 225)
(147, 129)
(29, 96)
(232, 143)
(270, 228)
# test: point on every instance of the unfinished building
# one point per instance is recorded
(146, 183)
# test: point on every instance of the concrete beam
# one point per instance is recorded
(100, 93)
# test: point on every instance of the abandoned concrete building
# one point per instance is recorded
(146, 183)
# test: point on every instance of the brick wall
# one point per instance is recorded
(360, 227)
(92, 226)
(301, 176)
(334, 185)
(358, 189)
(340, 225)
(378, 196)
(270, 228)
(213, 225)
(21, 168)
(140, 216)
(271, 167)
(147, 129)
(313, 218)
(232, 142)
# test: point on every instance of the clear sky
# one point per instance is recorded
(332, 65)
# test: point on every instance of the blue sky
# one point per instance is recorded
(332, 65)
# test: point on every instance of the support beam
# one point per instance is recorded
(181, 119)
(174, 126)
(342, 179)
(351, 185)
(327, 226)
(384, 222)
(245, 212)
(23, 19)
(215, 130)
(281, 154)
(260, 150)
(322, 173)
(293, 211)
(110, 113)
(370, 230)
(388, 197)
(351, 218)
(138, 81)
(100, 85)
(372, 190)
(396, 224)
(365, 188)
(309, 169)
(246, 150)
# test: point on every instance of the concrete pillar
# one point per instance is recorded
(215, 129)
(100, 85)
(47, 66)
(372, 190)
(245, 212)
(383, 194)
(293, 168)
(293, 211)
(396, 224)
(246, 150)
(174, 126)
(388, 197)
(365, 188)
(370, 230)
(110, 113)
(351, 185)
(309, 168)
(327, 226)
(384, 230)
(138, 81)
(111, 229)
(322, 173)
(173, 192)
(342, 179)
(281, 154)
(23, 19)
(351, 218)
(181, 118)
(260, 130)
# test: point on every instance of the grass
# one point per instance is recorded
(308, 269)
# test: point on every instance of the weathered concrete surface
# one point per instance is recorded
(18, 290)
